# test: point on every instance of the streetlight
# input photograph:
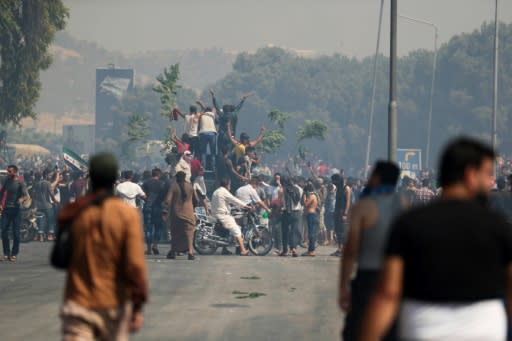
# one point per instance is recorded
(393, 106)
(374, 88)
(495, 86)
(434, 67)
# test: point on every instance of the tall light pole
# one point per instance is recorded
(374, 88)
(393, 106)
(495, 87)
(432, 86)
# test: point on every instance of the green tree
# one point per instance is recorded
(27, 28)
(168, 88)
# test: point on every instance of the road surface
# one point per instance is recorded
(191, 300)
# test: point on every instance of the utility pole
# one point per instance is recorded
(495, 88)
(374, 88)
(432, 85)
(392, 115)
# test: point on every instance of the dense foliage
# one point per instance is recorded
(27, 28)
(336, 90)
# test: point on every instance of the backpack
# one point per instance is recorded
(62, 249)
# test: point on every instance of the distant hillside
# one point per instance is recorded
(68, 86)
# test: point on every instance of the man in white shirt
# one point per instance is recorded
(129, 191)
(191, 128)
(220, 207)
(249, 195)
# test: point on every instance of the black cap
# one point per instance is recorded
(103, 170)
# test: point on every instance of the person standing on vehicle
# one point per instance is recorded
(15, 193)
(191, 128)
(221, 201)
(42, 198)
(311, 208)
(178, 209)
(106, 284)
(155, 190)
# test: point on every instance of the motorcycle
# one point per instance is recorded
(210, 234)
(29, 224)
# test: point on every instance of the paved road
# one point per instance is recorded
(190, 300)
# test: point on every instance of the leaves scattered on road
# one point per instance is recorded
(251, 295)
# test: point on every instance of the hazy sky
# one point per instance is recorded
(345, 26)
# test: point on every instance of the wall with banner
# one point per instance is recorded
(80, 138)
(111, 84)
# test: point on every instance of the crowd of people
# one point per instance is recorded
(409, 246)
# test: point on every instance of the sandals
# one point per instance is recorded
(244, 254)
(13, 259)
(5, 259)
(191, 257)
(283, 254)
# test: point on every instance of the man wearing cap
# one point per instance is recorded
(184, 165)
(106, 284)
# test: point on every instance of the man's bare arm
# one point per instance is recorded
(259, 138)
(242, 101)
(384, 304)
(201, 105)
(350, 253)
(230, 135)
(348, 201)
(178, 111)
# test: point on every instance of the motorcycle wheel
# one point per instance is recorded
(260, 241)
(26, 234)
(202, 247)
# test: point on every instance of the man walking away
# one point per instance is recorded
(448, 264)
(369, 224)
(15, 193)
(106, 283)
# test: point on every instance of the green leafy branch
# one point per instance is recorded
(168, 88)
(274, 139)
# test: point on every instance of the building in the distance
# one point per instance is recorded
(111, 84)
(80, 138)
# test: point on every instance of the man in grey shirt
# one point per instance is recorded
(43, 198)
